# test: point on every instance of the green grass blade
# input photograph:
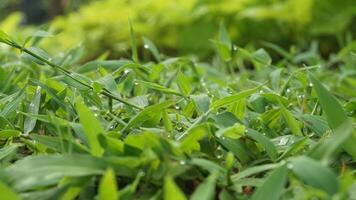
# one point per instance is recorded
(233, 98)
(33, 108)
(171, 190)
(92, 128)
(272, 187)
(134, 54)
(335, 114)
(315, 174)
(108, 186)
(291, 121)
(8, 193)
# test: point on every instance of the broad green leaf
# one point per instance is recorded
(236, 147)
(8, 150)
(54, 96)
(108, 186)
(207, 165)
(315, 123)
(262, 57)
(148, 112)
(254, 170)
(171, 190)
(233, 98)
(264, 141)
(158, 87)
(44, 170)
(33, 108)
(235, 132)
(334, 112)
(326, 148)
(58, 144)
(315, 174)
(183, 83)
(92, 128)
(7, 193)
(12, 106)
(201, 102)
(291, 121)
(4, 134)
(191, 142)
(272, 187)
(206, 189)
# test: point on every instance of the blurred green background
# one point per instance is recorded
(180, 27)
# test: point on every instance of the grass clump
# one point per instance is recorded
(238, 127)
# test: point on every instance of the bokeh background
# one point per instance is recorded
(181, 27)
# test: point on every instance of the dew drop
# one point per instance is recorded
(182, 162)
(135, 83)
(290, 166)
(261, 91)
(17, 112)
(301, 96)
(288, 90)
(310, 85)
(96, 115)
(179, 126)
(283, 141)
(146, 46)
(219, 156)
(176, 107)
(126, 71)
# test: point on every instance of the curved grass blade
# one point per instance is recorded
(233, 98)
(315, 174)
(272, 187)
(33, 108)
(92, 128)
(335, 114)
(171, 190)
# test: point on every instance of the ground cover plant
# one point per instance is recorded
(242, 126)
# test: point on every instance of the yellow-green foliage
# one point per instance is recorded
(186, 25)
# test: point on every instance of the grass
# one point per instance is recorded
(243, 126)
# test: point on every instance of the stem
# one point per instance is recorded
(105, 91)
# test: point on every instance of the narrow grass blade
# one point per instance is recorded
(33, 108)
(206, 190)
(335, 114)
(108, 186)
(8, 193)
(315, 174)
(291, 121)
(171, 190)
(134, 54)
(272, 187)
(147, 113)
(92, 128)
(233, 98)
